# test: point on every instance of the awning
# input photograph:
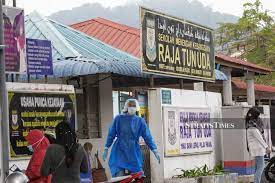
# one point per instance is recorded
(80, 66)
(258, 87)
(220, 75)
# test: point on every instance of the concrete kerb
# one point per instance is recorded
(225, 178)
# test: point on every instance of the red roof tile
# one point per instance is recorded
(117, 35)
(127, 39)
(240, 62)
(263, 88)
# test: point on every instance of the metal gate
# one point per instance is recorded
(146, 163)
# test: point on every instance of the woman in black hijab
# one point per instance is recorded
(65, 159)
(66, 137)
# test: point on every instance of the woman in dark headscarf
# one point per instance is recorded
(50, 136)
(65, 159)
(257, 145)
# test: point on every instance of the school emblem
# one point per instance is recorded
(172, 131)
(68, 115)
(14, 119)
(150, 40)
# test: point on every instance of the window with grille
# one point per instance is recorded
(88, 113)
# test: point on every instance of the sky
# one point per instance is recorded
(47, 7)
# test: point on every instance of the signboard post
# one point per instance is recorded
(14, 39)
(187, 131)
(3, 106)
(175, 47)
(39, 57)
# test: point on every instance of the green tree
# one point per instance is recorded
(254, 35)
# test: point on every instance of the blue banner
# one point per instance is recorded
(39, 57)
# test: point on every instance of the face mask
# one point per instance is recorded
(38, 143)
(132, 110)
(30, 148)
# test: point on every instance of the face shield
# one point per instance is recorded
(131, 106)
(51, 134)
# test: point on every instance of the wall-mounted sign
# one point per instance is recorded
(187, 131)
(175, 47)
(37, 109)
(166, 97)
(39, 57)
(14, 39)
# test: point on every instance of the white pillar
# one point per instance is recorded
(156, 128)
(227, 87)
(106, 115)
(106, 104)
(250, 88)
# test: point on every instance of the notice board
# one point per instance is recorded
(187, 131)
(37, 109)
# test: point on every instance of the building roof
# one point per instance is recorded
(80, 66)
(261, 88)
(220, 76)
(117, 35)
(68, 42)
(76, 54)
(241, 64)
(127, 39)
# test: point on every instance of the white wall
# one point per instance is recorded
(237, 137)
(106, 105)
(106, 117)
(181, 98)
(266, 119)
(156, 128)
(115, 103)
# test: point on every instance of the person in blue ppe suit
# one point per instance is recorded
(125, 132)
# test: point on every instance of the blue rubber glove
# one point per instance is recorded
(105, 154)
(155, 151)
